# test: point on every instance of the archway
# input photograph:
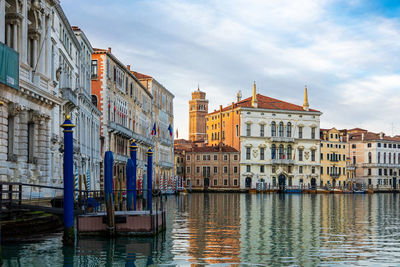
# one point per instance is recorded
(313, 183)
(282, 182)
(248, 182)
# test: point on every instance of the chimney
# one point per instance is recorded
(220, 107)
(109, 49)
(128, 67)
(381, 135)
(362, 136)
(306, 106)
(239, 96)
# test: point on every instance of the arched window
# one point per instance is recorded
(369, 157)
(384, 158)
(289, 130)
(394, 158)
(94, 100)
(280, 151)
(281, 129)
(289, 152)
(273, 151)
(379, 157)
(390, 158)
(273, 129)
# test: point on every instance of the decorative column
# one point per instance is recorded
(68, 202)
(8, 34)
(15, 36)
(133, 148)
(149, 179)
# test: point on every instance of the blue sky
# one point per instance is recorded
(346, 51)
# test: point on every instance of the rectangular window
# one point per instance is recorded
(225, 169)
(300, 132)
(225, 182)
(188, 158)
(262, 153)
(300, 154)
(248, 129)
(262, 130)
(225, 157)
(313, 133)
(248, 168)
(198, 182)
(262, 168)
(235, 182)
(198, 169)
(215, 169)
(369, 172)
(322, 170)
(237, 130)
(10, 138)
(248, 152)
(313, 169)
(188, 170)
(312, 155)
(353, 146)
(300, 169)
(322, 156)
(369, 145)
(380, 172)
(215, 157)
(94, 69)
(198, 157)
(235, 169)
(215, 182)
(235, 157)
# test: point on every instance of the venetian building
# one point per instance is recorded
(27, 95)
(163, 117)
(278, 141)
(333, 158)
(88, 126)
(198, 109)
(375, 158)
(126, 107)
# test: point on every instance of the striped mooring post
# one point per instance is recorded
(108, 190)
(68, 202)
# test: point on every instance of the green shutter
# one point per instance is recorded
(9, 66)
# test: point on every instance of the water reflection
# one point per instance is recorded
(226, 229)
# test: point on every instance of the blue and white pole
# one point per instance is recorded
(149, 178)
(68, 202)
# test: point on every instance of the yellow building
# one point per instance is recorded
(333, 158)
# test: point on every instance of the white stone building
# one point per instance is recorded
(88, 121)
(27, 101)
(163, 116)
(375, 158)
(279, 143)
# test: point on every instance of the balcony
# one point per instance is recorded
(69, 96)
(120, 158)
(165, 141)
(350, 167)
(9, 59)
(165, 164)
(382, 165)
(115, 127)
(206, 175)
(282, 161)
(142, 139)
(282, 139)
(334, 175)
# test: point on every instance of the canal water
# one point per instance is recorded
(244, 229)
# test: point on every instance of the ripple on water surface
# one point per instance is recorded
(232, 229)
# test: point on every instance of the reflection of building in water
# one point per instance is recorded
(279, 229)
(214, 228)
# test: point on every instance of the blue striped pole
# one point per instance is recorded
(149, 178)
(88, 179)
(76, 183)
(133, 148)
(68, 202)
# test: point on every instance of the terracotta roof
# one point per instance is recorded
(209, 149)
(99, 50)
(75, 28)
(141, 75)
(265, 102)
(370, 136)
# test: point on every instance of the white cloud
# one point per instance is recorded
(349, 63)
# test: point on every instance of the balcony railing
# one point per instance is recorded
(334, 175)
(165, 141)
(388, 165)
(142, 139)
(165, 164)
(282, 139)
(121, 129)
(282, 161)
(69, 96)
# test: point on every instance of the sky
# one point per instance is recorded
(347, 52)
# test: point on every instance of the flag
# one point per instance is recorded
(154, 131)
(170, 130)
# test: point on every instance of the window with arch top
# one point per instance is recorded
(281, 129)
(273, 129)
(289, 130)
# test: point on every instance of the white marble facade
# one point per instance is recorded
(278, 146)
